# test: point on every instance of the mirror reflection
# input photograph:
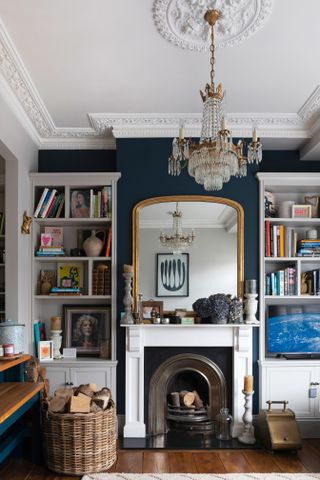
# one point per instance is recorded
(187, 249)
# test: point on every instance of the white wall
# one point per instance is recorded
(21, 154)
(212, 266)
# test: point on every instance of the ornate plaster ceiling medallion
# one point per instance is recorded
(181, 21)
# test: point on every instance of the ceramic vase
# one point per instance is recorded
(93, 245)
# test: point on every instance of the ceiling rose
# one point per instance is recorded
(181, 21)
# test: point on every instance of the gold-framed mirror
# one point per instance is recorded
(215, 259)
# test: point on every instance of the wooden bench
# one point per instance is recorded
(17, 398)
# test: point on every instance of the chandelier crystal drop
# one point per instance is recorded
(177, 242)
(215, 159)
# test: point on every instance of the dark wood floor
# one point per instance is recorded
(200, 461)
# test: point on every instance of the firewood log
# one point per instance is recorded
(197, 400)
(64, 392)
(175, 399)
(102, 397)
(86, 390)
(95, 408)
(58, 405)
(79, 404)
(186, 398)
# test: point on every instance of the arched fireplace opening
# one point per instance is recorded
(181, 373)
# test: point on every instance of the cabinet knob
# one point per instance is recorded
(71, 383)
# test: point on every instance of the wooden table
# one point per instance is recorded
(16, 399)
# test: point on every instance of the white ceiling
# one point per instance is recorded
(72, 58)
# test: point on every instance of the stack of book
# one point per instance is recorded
(101, 280)
(50, 251)
(280, 241)
(283, 282)
(65, 291)
(308, 248)
(101, 203)
(50, 204)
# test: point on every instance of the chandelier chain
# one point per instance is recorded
(212, 59)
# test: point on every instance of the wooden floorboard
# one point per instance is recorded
(234, 461)
(199, 461)
(208, 462)
(156, 462)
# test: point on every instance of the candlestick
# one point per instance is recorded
(181, 133)
(55, 323)
(250, 286)
(223, 124)
(127, 319)
(56, 337)
(247, 435)
(250, 308)
(128, 268)
(248, 383)
(254, 135)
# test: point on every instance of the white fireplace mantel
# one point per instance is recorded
(239, 337)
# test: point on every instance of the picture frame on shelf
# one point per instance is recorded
(80, 203)
(70, 275)
(172, 277)
(301, 211)
(150, 306)
(86, 327)
(45, 350)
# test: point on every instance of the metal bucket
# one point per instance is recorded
(11, 332)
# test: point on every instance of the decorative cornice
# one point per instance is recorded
(161, 125)
(182, 24)
(311, 105)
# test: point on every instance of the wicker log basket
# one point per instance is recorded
(77, 444)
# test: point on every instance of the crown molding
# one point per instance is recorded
(131, 125)
(311, 106)
(182, 23)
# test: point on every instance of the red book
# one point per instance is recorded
(108, 244)
(267, 239)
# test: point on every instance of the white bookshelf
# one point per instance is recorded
(83, 369)
(282, 378)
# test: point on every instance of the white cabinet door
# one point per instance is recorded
(292, 384)
(58, 377)
(99, 376)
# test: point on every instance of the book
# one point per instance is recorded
(59, 210)
(46, 207)
(108, 243)
(56, 234)
(36, 329)
(267, 239)
(44, 203)
(43, 196)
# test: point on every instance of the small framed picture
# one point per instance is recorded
(301, 211)
(172, 275)
(45, 349)
(80, 204)
(86, 328)
(151, 308)
(46, 240)
(70, 275)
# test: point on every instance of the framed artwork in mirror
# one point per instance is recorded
(172, 275)
(150, 308)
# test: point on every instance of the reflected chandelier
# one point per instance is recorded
(215, 158)
(177, 242)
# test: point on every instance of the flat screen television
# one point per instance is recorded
(293, 331)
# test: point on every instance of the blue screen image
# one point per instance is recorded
(294, 333)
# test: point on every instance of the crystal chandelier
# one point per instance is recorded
(177, 242)
(215, 158)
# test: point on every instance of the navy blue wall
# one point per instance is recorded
(143, 166)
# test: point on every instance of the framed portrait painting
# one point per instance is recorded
(86, 328)
(80, 204)
(151, 307)
(172, 275)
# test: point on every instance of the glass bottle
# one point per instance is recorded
(223, 424)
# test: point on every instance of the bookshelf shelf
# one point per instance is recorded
(277, 377)
(67, 234)
(70, 259)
